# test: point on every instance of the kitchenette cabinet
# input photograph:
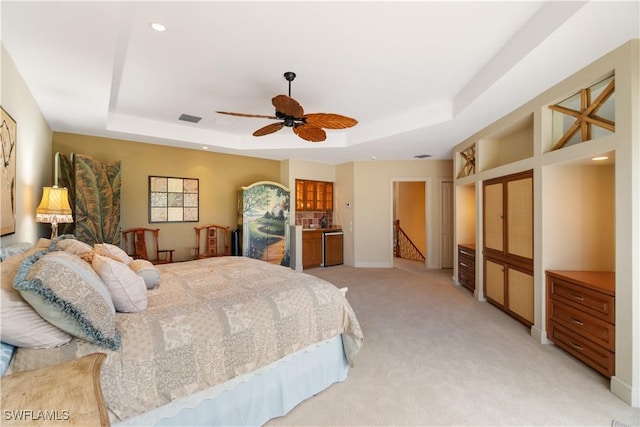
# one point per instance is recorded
(322, 247)
(314, 195)
(311, 248)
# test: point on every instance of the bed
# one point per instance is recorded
(216, 341)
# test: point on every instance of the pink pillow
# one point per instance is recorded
(128, 290)
(113, 251)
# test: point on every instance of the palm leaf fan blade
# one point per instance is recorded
(330, 121)
(271, 128)
(259, 116)
(287, 106)
(310, 133)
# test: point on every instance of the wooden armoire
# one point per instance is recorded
(508, 244)
(263, 221)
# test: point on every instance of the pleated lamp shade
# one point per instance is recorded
(54, 208)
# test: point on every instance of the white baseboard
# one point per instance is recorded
(539, 335)
(625, 392)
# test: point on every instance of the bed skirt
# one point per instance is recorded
(256, 397)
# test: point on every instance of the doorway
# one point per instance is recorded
(410, 225)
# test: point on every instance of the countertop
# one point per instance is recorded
(328, 229)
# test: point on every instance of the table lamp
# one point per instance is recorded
(54, 208)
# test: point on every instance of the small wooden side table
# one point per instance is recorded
(67, 394)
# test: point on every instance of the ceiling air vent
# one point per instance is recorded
(422, 156)
(189, 118)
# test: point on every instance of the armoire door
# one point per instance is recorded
(494, 217)
(520, 217)
(494, 282)
(520, 294)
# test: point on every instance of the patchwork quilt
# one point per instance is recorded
(207, 322)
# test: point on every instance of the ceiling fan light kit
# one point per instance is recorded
(309, 127)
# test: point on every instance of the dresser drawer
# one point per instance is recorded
(466, 266)
(590, 327)
(597, 357)
(466, 252)
(468, 281)
(593, 302)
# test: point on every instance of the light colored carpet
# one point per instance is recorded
(433, 355)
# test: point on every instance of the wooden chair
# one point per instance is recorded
(135, 244)
(216, 241)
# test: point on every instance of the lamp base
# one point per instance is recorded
(54, 230)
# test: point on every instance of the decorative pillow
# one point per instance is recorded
(20, 324)
(147, 271)
(6, 353)
(113, 251)
(69, 243)
(67, 293)
(14, 249)
(128, 290)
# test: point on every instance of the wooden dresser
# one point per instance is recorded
(581, 316)
(467, 266)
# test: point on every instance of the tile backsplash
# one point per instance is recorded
(311, 219)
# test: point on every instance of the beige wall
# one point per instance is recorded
(219, 174)
(373, 207)
(33, 153)
(582, 217)
(300, 169)
(343, 211)
(465, 214)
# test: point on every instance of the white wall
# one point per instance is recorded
(33, 153)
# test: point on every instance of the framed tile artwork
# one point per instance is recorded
(173, 199)
(8, 174)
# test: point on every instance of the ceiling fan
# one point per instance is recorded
(306, 126)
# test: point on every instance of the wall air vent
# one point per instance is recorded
(189, 118)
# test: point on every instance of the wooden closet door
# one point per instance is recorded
(520, 217)
(494, 281)
(520, 294)
(493, 217)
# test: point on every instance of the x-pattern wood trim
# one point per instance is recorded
(469, 157)
(587, 116)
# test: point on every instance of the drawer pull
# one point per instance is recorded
(577, 321)
(577, 297)
(576, 346)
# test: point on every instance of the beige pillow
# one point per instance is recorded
(22, 326)
(128, 290)
(65, 291)
(113, 251)
(74, 246)
(147, 271)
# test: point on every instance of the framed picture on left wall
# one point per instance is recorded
(8, 175)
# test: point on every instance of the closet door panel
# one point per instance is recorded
(494, 281)
(520, 217)
(493, 217)
(520, 294)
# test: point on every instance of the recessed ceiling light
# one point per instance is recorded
(205, 148)
(159, 27)
(600, 158)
